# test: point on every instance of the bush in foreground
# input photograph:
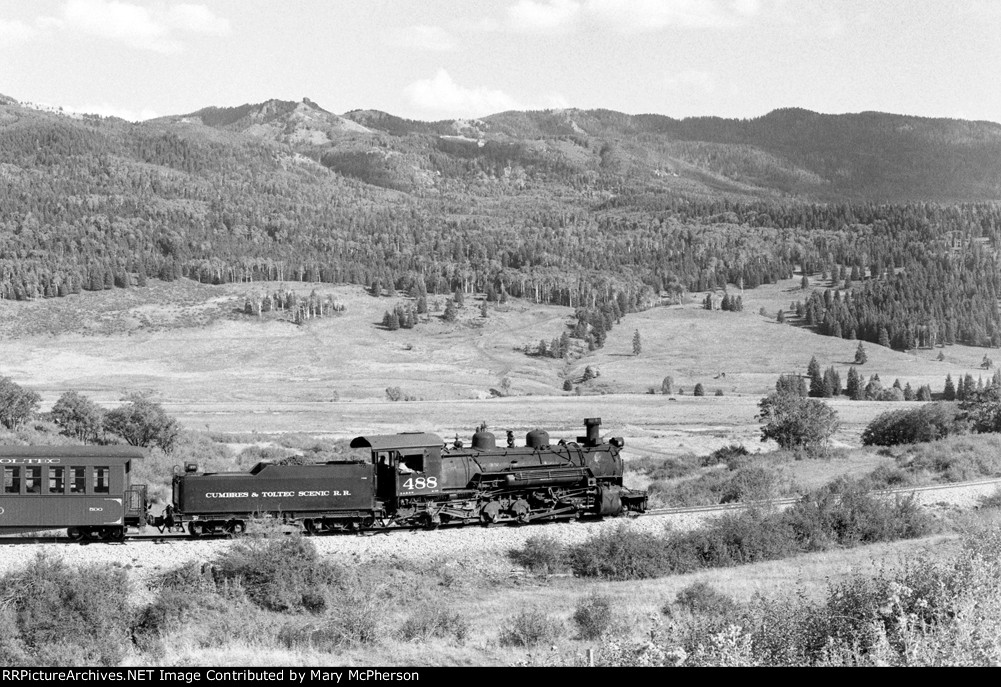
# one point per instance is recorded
(531, 628)
(841, 516)
(541, 554)
(927, 612)
(55, 615)
(432, 621)
(283, 574)
(594, 616)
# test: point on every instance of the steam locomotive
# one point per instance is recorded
(404, 480)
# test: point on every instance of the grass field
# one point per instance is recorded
(191, 347)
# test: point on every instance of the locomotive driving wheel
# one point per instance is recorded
(521, 511)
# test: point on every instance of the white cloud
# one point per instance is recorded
(196, 18)
(747, 8)
(546, 16)
(14, 32)
(691, 79)
(635, 16)
(628, 16)
(155, 28)
(433, 38)
(443, 96)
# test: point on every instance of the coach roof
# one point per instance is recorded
(70, 452)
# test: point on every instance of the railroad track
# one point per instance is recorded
(169, 537)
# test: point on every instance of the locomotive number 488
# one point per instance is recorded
(421, 483)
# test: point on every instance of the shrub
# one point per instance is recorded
(622, 553)
(990, 500)
(725, 454)
(797, 423)
(189, 603)
(530, 628)
(17, 404)
(699, 597)
(78, 416)
(744, 483)
(63, 616)
(278, 574)
(926, 423)
(594, 616)
(848, 516)
(889, 477)
(665, 468)
(541, 554)
(352, 615)
(141, 422)
(432, 621)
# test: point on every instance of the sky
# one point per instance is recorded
(442, 59)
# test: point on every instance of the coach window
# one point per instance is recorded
(78, 480)
(12, 480)
(33, 480)
(101, 476)
(57, 480)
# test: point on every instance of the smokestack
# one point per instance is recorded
(593, 425)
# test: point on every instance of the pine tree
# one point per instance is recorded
(781, 317)
(451, 312)
(637, 346)
(860, 355)
(884, 337)
(832, 383)
(949, 393)
(816, 378)
(855, 389)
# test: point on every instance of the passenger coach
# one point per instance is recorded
(86, 490)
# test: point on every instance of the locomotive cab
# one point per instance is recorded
(406, 465)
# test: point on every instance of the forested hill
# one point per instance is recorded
(869, 156)
(576, 207)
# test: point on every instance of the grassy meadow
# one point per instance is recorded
(242, 385)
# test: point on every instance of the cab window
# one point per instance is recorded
(33, 480)
(78, 480)
(57, 480)
(413, 463)
(12, 480)
(102, 476)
